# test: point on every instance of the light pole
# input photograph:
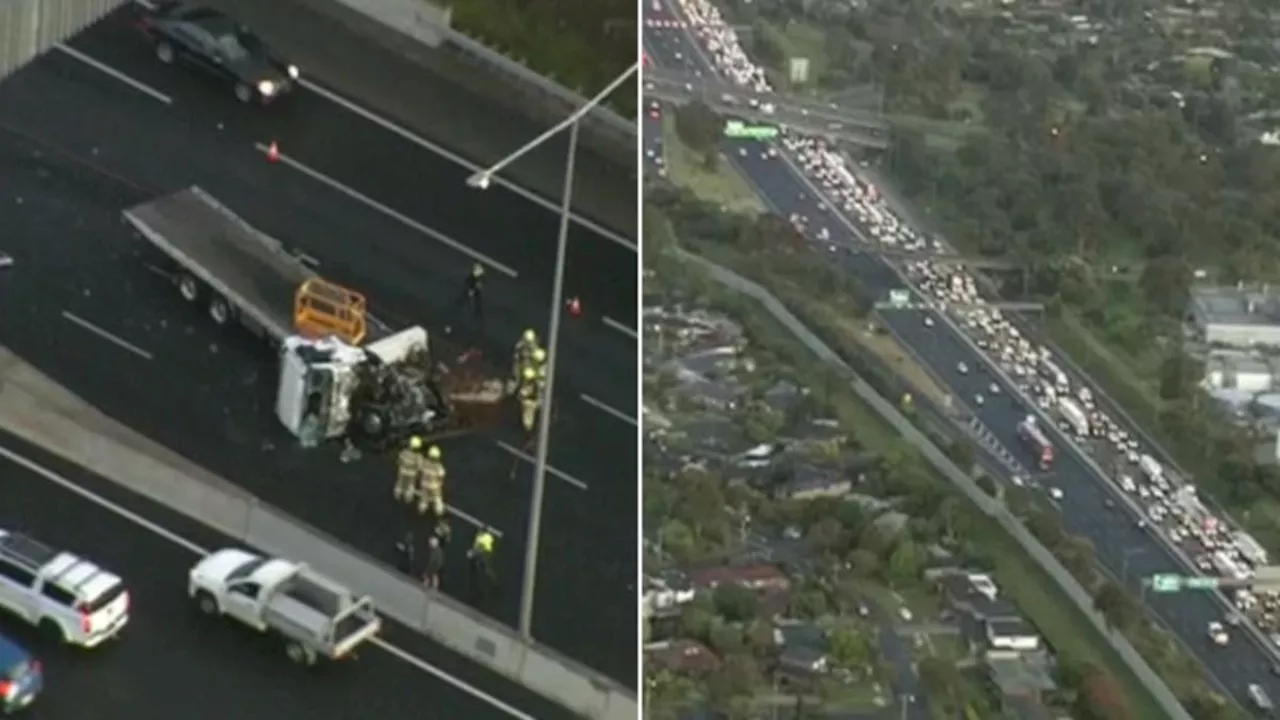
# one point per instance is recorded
(481, 180)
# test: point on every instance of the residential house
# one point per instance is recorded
(803, 649)
(772, 586)
(709, 394)
(666, 591)
(807, 482)
(682, 656)
(1021, 681)
(987, 619)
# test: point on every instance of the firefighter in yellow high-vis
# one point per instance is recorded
(523, 356)
(431, 489)
(530, 396)
(408, 467)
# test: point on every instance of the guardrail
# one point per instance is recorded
(33, 408)
(429, 24)
(990, 507)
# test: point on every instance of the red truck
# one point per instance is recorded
(1036, 441)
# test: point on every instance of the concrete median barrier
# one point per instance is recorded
(37, 410)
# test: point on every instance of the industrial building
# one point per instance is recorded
(1235, 316)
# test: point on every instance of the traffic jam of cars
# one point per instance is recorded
(1169, 505)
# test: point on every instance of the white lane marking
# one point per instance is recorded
(601, 405)
(624, 329)
(391, 213)
(517, 452)
(459, 160)
(105, 335)
(118, 75)
(193, 548)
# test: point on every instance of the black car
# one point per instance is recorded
(217, 44)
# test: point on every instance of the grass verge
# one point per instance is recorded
(720, 185)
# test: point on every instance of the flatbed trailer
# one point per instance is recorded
(244, 274)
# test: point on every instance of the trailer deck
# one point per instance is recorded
(250, 269)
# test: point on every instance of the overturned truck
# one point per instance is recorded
(343, 373)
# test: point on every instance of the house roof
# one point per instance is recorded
(1020, 673)
(1010, 627)
(750, 575)
(976, 594)
(682, 656)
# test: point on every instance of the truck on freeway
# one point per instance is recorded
(343, 373)
(1075, 416)
(315, 617)
(1037, 442)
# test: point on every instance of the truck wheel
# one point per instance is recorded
(189, 288)
(219, 310)
(299, 653)
(207, 604)
(164, 52)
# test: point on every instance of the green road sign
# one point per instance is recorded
(899, 298)
(1166, 583)
(738, 130)
(1200, 583)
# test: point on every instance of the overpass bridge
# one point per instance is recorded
(657, 78)
(781, 117)
(30, 27)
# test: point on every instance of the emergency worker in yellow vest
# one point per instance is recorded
(523, 355)
(431, 491)
(409, 464)
(530, 396)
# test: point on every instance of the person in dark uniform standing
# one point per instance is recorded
(434, 565)
(472, 295)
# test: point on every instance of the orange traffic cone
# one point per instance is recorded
(273, 152)
(575, 307)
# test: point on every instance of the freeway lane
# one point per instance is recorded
(173, 663)
(208, 396)
(403, 175)
(1120, 545)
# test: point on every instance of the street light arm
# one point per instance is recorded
(481, 178)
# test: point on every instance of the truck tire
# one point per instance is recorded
(219, 310)
(299, 653)
(188, 288)
(207, 604)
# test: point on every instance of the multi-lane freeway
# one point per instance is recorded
(173, 662)
(1120, 544)
(87, 132)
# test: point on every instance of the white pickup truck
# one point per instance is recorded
(314, 616)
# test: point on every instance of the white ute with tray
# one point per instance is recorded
(316, 617)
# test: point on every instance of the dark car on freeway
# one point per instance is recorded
(21, 677)
(218, 45)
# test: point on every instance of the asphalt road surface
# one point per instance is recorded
(1120, 544)
(171, 662)
(78, 145)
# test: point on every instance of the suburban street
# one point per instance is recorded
(86, 133)
(1120, 544)
(173, 662)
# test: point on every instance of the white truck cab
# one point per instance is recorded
(315, 617)
(319, 378)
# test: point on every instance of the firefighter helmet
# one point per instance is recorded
(415, 443)
(434, 452)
